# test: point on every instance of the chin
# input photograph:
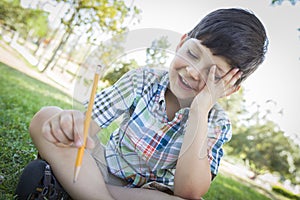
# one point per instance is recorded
(185, 102)
(185, 97)
(182, 94)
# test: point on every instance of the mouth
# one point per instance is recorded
(185, 84)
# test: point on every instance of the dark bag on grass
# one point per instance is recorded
(38, 182)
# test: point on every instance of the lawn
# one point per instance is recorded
(21, 97)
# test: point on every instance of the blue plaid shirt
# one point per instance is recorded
(146, 145)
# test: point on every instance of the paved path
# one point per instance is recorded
(11, 58)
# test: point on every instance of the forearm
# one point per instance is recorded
(192, 177)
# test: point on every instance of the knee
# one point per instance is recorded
(38, 120)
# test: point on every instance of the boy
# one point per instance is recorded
(171, 136)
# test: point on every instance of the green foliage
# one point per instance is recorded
(119, 70)
(259, 141)
(93, 19)
(22, 20)
(284, 192)
(20, 98)
(110, 54)
(279, 2)
(106, 132)
(37, 23)
(111, 14)
(235, 105)
(156, 54)
(263, 147)
(108, 16)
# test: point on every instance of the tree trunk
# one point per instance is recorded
(61, 44)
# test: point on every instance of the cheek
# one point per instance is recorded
(172, 69)
(179, 62)
(173, 76)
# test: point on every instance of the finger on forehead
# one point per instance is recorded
(234, 79)
(230, 74)
(212, 72)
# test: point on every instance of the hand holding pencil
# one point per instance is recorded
(87, 122)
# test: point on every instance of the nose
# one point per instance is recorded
(193, 72)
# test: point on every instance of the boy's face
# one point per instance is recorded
(190, 68)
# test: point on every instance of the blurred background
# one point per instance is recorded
(60, 42)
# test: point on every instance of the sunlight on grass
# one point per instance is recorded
(226, 188)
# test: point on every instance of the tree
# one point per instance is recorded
(93, 19)
(278, 2)
(21, 20)
(258, 141)
(263, 148)
(120, 68)
(109, 54)
(156, 55)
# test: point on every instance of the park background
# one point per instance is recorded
(54, 42)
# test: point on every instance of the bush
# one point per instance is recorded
(285, 192)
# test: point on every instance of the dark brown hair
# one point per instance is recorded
(235, 34)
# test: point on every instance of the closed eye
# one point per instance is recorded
(191, 54)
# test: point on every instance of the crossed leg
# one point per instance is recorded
(90, 184)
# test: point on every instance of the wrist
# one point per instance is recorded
(199, 109)
(202, 103)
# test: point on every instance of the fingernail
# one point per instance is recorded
(78, 143)
(214, 67)
(240, 74)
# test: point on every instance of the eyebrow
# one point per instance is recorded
(198, 48)
(201, 51)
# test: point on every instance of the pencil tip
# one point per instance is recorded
(77, 169)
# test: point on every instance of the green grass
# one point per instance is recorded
(224, 187)
(21, 97)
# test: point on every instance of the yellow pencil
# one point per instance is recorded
(87, 122)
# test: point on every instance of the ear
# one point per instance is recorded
(182, 40)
